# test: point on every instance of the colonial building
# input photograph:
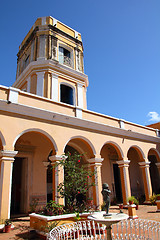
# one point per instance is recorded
(44, 114)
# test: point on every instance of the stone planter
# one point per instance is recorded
(40, 222)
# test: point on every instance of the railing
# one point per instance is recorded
(126, 230)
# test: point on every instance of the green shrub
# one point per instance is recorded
(134, 199)
(152, 199)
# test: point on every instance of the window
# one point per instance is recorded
(26, 62)
(66, 94)
(65, 57)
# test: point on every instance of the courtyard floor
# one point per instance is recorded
(21, 225)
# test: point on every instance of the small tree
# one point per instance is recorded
(78, 179)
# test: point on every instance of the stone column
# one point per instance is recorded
(6, 165)
(29, 84)
(58, 177)
(95, 164)
(40, 83)
(54, 87)
(158, 166)
(77, 57)
(32, 51)
(79, 106)
(146, 179)
(125, 182)
(46, 164)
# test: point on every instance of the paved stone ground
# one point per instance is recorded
(21, 229)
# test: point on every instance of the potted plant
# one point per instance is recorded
(8, 224)
(158, 202)
(152, 199)
(158, 197)
(133, 200)
(121, 206)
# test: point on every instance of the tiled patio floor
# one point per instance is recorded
(21, 230)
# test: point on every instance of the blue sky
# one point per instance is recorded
(121, 41)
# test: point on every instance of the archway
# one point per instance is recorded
(30, 185)
(153, 157)
(110, 170)
(82, 146)
(135, 156)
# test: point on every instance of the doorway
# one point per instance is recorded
(117, 182)
(19, 187)
(154, 174)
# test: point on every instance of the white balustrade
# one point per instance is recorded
(88, 230)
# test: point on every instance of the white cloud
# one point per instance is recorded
(154, 116)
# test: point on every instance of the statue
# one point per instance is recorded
(106, 199)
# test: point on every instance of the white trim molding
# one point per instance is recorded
(56, 158)
(13, 95)
(95, 161)
(8, 155)
(78, 112)
(123, 163)
(144, 164)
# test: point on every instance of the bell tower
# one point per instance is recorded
(50, 63)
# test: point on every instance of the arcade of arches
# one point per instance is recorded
(35, 153)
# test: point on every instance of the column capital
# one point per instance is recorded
(40, 73)
(7, 155)
(144, 164)
(158, 165)
(123, 163)
(95, 161)
(56, 158)
(46, 164)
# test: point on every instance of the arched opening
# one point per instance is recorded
(29, 178)
(111, 171)
(66, 94)
(154, 174)
(135, 173)
(65, 56)
(81, 147)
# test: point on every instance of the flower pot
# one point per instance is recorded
(120, 206)
(7, 228)
(90, 202)
(136, 207)
(130, 202)
(158, 198)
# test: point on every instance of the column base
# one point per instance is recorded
(134, 217)
(147, 202)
